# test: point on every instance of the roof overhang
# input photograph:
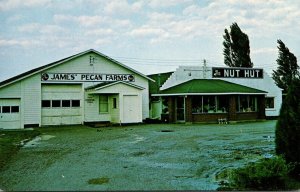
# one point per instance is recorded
(101, 89)
(190, 94)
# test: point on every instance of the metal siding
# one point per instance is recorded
(11, 91)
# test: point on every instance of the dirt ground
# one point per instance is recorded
(139, 157)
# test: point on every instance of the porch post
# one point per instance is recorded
(188, 109)
(171, 108)
(232, 108)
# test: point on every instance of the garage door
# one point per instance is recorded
(132, 112)
(61, 104)
(10, 117)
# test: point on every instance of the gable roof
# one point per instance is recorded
(209, 86)
(159, 79)
(53, 64)
(108, 84)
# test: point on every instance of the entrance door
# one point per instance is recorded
(180, 109)
(131, 109)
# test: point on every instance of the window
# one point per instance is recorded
(46, 103)
(103, 104)
(66, 103)
(197, 104)
(75, 103)
(210, 104)
(56, 103)
(114, 103)
(246, 103)
(222, 104)
(269, 102)
(5, 109)
(15, 109)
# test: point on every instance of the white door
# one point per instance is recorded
(10, 117)
(132, 112)
(61, 104)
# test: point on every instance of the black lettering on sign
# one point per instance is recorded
(90, 77)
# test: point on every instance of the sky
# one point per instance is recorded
(151, 36)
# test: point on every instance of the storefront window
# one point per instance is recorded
(197, 104)
(269, 103)
(210, 104)
(222, 104)
(246, 103)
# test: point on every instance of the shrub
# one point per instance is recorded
(265, 174)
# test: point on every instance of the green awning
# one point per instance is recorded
(209, 86)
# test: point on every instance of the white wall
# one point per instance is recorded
(30, 93)
(31, 100)
(113, 115)
(104, 66)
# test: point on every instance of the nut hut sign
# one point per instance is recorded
(218, 72)
(86, 77)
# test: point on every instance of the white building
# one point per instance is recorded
(86, 87)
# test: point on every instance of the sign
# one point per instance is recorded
(86, 77)
(218, 72)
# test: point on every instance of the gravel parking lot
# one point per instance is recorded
(137, 157)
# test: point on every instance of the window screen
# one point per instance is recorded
(269, 103)
(46, 103)
(56, 103)
(75, 103)
(5, 109)
(15, 109)
(66, 103)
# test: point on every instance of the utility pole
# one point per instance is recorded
(204, 69)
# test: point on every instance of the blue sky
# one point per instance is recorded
(150, 36)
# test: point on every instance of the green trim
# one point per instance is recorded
(210, 86)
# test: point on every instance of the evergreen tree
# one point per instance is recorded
(236, 48)
(287, 69)
(287, 132)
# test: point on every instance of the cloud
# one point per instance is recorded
(122, 7)
(6, 5)
(100, 32)
(16, 42)
(83, 20)
(40, 28)
(265, 50)
(91, 21)
(145, 31)
(14, 18)
(168, 3)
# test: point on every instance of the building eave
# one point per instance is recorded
(190, 94)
